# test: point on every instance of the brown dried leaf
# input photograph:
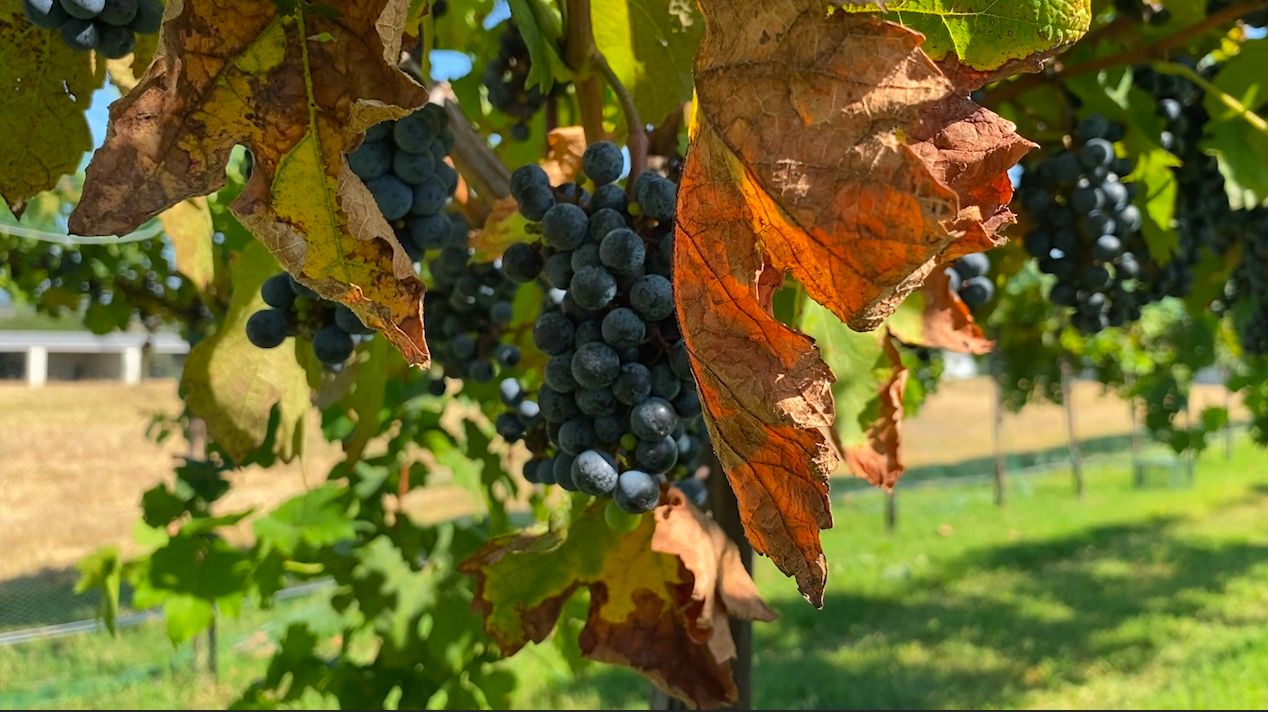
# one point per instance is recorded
(660, 595)
(879, 459)
(945, 321)
(833, 148)
(564, 147)
(299, 90)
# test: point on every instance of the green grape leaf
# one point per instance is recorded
(186, 616)
(232, 385)
(1240, 149)
(660, 594)
(855, 358)
(650, 45)
(314, 519)
(189, 228)
(368, 394)
(1241, 77)
(102, 570)
(987, 34)
(45, 88)
(541, 27)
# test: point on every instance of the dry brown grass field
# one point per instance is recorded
(75, 459)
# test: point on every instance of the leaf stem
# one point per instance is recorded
(637, 129)
(1224, 97)
(579, 54)
(1135, 55)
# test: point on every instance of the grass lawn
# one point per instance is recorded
(1128, 598)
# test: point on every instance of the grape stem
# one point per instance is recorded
(1224, 97)
(585, 59)
(1136, 55)
(637, 129)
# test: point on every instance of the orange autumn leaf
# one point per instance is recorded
(945, 320)
(660, 595)
(298, 88)
(831, 148)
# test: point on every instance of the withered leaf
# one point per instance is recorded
(660, 595)
(944, 321)
(834, 149)
(298, 90)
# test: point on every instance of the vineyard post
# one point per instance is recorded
(997, 436)
(1067, 401)
(726, 513)
(1135, 429)
(891, 510)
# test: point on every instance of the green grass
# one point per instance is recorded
(1128, 598)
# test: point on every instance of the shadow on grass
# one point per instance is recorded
(47, 597)
(986, 628)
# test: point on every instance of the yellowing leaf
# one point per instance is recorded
(650, 45)
(834, 149)
(660, 595)
(878, 459)
(298, 90)
(233, 385)
(188, 225)
(986, 34)
(45, 87)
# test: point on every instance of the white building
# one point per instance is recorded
(40, 356)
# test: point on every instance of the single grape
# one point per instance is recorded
(680, 360)
(266, 328)
(558, 270)
(595, 365)
(347, 320)
(623, 251)
(510, 391)
(556, 407)
(522, 262)
(576, 436)
(1107, 247)
(595, 473)
(546, 472)
(371, 160)
(558, 373)
(563, 472)
(276, 291)
(332, 345)
(596, 402)
(1096, 152)
(973, 265)
(524, 176)
(429, 232)
(665, 383)
(585, 256)
(687, 404)
(393, 196)
(657, 456)
(636, 492)
(603, 221)
(508, 355)
(114, 42)
(623, 329)
(653, 419)
(553, 333)
(80, 34)
(587, 332)
(657, 197)
(119, 12)
(535, 201)
(509, 427)
(602, 162)
(592, 287)
(413, 133)
(608, 429)
(83, 9)
(652, 296)
(501, 313)
(149, 17)
(977, 291)
(528, 412)
(564, 226)
(610, 197)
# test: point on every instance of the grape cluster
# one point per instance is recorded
(970, 281)
(619, 411)
(468, 305)
(1088, 232)
(296, 310)
(108, 26)
(506, 81)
